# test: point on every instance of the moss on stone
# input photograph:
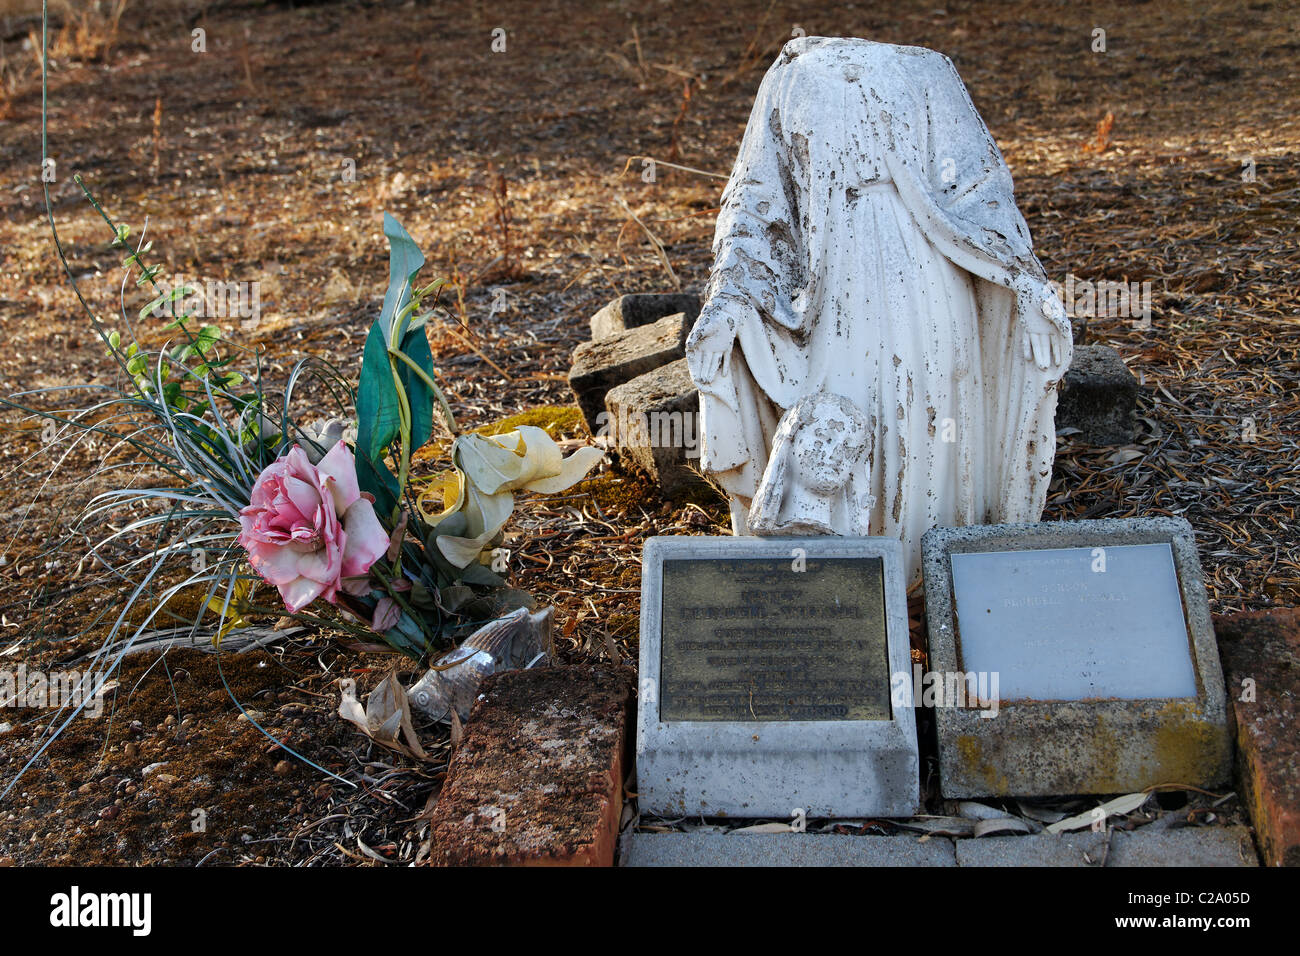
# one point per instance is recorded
(559, 421)
(619, 492)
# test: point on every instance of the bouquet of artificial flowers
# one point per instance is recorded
(411, 559)
(328, 513)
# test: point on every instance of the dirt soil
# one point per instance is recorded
(270, 154)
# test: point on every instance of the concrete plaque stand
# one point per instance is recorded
(775, 767)
(1090, 741)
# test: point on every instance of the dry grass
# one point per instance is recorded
(511, 171)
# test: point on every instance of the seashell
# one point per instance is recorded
(517, 641)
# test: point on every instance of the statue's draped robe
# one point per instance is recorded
(870, 224)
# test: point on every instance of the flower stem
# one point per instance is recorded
(431, 384)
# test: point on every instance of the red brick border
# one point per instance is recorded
(1261, 659)
(538, 778)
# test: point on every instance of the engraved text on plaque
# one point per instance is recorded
(755, 639)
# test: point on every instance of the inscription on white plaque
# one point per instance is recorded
(1074, 623)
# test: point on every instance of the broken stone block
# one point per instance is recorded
(538, 778)
(1261, 664)
(1043, 849)
(1188, 846)
(633, 311)
(654, 421)
(1146, 846)
(600, 366)
(1098, 397)
(784, 849)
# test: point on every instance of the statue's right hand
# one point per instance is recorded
(708, 347)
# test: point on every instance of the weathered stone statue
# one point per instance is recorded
(869, 251)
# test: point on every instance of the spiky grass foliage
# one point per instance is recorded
(208, 456)
(207, 443)
(184, 414)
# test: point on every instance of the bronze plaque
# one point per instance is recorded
(753, 639)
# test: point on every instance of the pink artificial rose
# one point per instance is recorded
(308, 530)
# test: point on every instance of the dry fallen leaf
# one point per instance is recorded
(979, 811)
(1001, 825)
(457, 729)
(766, 828)
(1042, 814)
(1117, 807)
(386, 714)
(939, 826)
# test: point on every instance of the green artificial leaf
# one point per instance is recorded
(378, 419)
(420, 597)
(446, 572)
(404, 261)
(416, 345)
(455, 524)
(405, 635)
(455, 597)
(375, 478)
(206, 339)
(475, 573)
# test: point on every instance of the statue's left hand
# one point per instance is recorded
(708, 347)
(1044, 325)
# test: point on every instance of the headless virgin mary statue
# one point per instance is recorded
(879, 348)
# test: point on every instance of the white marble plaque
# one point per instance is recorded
(1074, 623)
